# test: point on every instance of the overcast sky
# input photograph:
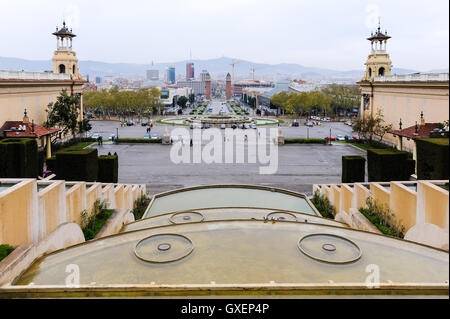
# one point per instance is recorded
(320, 33)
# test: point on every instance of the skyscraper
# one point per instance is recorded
(170, 75)
(190, 71)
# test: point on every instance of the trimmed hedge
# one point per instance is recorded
(108, 168)
(138, 140)
(73, 142)
(353, 169)
(388, 165)
(41, 160)
(77, 165)
(51, 164)
(432, 158)
(304, 141)
(18, 158)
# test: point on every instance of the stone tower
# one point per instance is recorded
(64, 59)
(228, 86)
(378, 62)
(208, 86)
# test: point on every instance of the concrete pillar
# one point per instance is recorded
(48, 147)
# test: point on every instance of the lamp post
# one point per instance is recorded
(330, 135)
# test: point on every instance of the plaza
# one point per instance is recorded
(299, 166)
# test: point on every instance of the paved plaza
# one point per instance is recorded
(299, 166)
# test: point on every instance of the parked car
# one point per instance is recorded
(340, 138)
(144, 123)
(246, 126)
(112, 137)
(95, 135)
(253, 126)
(309, 124)
(295, 123)
(233, 126)
(130, 123)
(348, 138)
(155, 137)
(223, 126)
(206, 126)
(147, 136)
(329, 138)
(355, 137)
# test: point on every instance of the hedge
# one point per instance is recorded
(108, 169)
(388, 165)
(51, 164)
(77, 165)
(304, 141)
(353, 169)
(138, 140)
(72, 142)
(432, 158)
(41, 160)
(18, 158)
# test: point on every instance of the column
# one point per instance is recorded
(48, 147)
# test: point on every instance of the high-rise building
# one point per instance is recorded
(190, 71)
(203, 75)
(152, 74)
(98, 80)
(170, 75)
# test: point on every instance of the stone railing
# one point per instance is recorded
(20, 75)
(415, 77)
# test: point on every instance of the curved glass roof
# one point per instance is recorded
(221, 196)
(241, 252)
(216, 214)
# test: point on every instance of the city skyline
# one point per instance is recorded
(263, 32)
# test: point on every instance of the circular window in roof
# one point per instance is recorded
(329, 248)
(163, 248)
(281, 216)
(189, 217)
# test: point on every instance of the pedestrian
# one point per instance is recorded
(98, 140)
(115, 153)
(109, 153)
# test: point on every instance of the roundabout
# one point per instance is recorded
(218, 120)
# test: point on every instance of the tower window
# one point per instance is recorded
(381, 72)
(370, 72)
(62, 68)
(73, 69)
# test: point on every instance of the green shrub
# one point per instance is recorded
(108, 169)
(5, 250)
(353, 169)
(138, 140)
(140, 205)
(97, 220)
(19, 158)
(382, 218)
(323, 205)
(386, 165)
(304, 141)
(432, 158)
(77, 165)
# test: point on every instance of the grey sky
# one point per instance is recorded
(320, 33)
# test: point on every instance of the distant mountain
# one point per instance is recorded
(218, 68)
